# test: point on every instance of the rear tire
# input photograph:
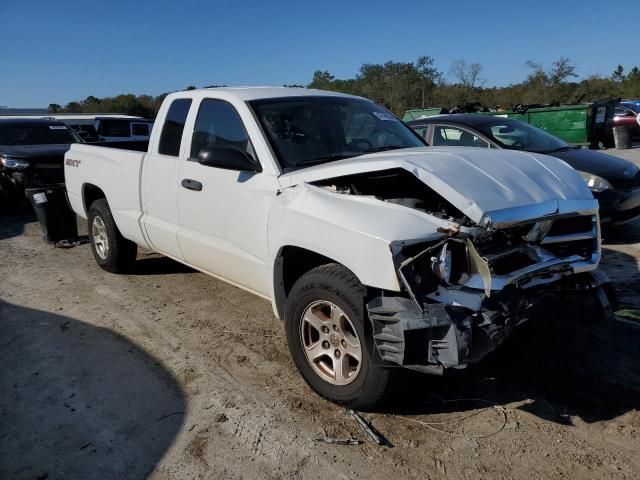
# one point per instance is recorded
(327, 330)
(112, 251)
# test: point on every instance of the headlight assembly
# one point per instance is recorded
(14, 163)
(441, 265)
(595, 183)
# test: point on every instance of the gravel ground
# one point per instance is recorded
(168, 373)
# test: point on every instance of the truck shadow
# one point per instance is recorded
(594, 376)
(622, 269)
(156, 264)
(80, 401)
(13, 221)
(622, 235)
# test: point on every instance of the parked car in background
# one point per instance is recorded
(100, 127)
(615, 182)
(111, 129)
(377, 251)
(32, 153)
(626, 114)
(633, 104)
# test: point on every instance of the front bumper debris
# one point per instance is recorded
(445, 336)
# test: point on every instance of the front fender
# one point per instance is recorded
(355, 231)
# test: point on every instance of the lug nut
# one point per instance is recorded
(335, 328)
(325, 329)
(325, 344)
(337, 353)
(343, 343)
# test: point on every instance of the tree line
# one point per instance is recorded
(400, 86)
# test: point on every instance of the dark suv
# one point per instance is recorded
(32, 153)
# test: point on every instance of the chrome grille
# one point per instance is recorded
(523, 246)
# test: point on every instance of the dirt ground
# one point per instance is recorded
(167, 373)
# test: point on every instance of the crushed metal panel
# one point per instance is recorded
(354, 231)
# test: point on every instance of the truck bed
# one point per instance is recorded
(119, 173)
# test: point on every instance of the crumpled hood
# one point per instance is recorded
(477, 181)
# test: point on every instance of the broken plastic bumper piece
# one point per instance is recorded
(444, 336)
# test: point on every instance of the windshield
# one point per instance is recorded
(306, 131)
(522, 136)
(36, 134)
(633, 106)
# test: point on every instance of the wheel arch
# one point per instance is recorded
(91, 193)
(291, 262)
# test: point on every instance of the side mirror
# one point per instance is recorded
(229, 158)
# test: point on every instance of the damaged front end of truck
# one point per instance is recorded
(469, 291)
(467, 284)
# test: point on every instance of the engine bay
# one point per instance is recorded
(400, 187)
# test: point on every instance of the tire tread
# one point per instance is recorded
(122, 252)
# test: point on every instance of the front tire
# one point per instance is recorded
(330, 339)
(112, 251)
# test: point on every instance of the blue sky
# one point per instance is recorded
(58, 51)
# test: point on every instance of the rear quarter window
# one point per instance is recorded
(114, 128)
(173, 127)
(141, 129)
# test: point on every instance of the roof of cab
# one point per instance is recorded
(257, 93)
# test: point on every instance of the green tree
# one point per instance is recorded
(429, 75)
(73, 107)
(322, 80)
(618, 74)
(400, 86)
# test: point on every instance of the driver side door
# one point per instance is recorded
(223, 212)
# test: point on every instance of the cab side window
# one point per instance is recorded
(171, 135)
(444, 135)
(219, 125)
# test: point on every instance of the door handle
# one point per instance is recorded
(191, 184)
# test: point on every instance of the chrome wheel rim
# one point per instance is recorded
(330, 342)
(99, 237)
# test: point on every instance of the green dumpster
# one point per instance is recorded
(588, 124)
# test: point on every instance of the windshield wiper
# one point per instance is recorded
(381, 149)
(326, 158)
(561, 149)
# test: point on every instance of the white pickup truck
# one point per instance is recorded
(377, 251)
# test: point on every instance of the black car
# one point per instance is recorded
(615, 182)
(32, 153)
